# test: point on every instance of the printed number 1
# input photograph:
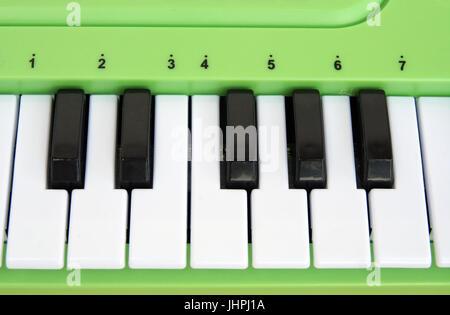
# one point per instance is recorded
(32, 61)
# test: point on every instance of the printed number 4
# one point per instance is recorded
(205, 64)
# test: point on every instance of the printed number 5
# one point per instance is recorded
(271, 63)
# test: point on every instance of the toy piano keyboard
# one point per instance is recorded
(225, 146)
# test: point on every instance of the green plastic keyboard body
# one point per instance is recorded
(337, 47)
(250, 281)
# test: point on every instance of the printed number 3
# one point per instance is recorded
(171, 63)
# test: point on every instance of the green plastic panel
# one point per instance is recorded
(272, 47)
(249, 281)
(333, 60)
(247, 13)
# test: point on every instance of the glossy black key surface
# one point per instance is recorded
(241, 166)
(67, 154)
(309, 163)
(374, 137)
(135, 156)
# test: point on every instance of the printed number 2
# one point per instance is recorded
(102, 62)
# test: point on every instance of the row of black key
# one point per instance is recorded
(373, 147)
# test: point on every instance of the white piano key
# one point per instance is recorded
(99, 212)
(434, 122)
(399, 215)
(280, 227)
(37, 225)
(8, 126)
(339, 215)
(219, 237)
(158, 226)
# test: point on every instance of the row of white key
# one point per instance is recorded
(339, 213)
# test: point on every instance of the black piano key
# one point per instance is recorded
(309, 162)
(374, 137)
(135, 156)
(241, 166)
(67, 154)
